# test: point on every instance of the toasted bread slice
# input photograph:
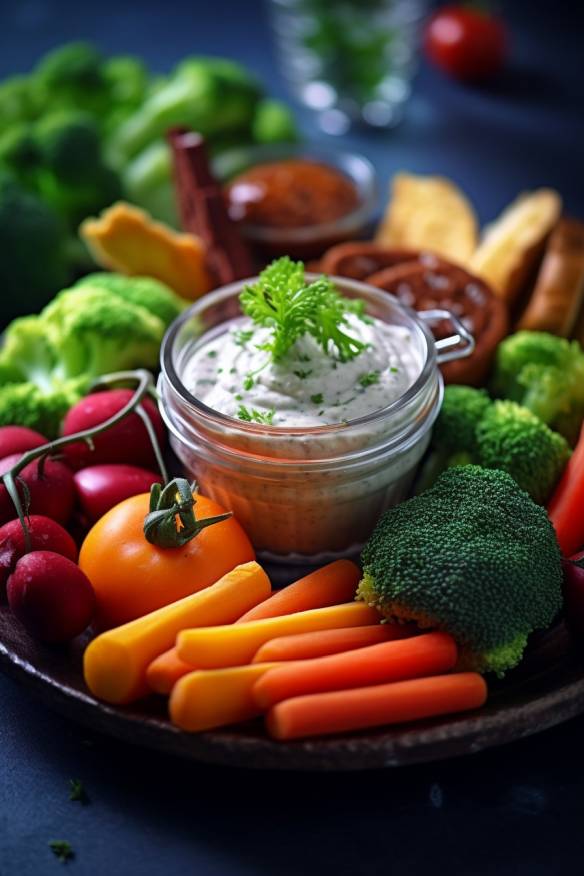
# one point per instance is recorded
(514, 243)
(429, 213)
(559, 290)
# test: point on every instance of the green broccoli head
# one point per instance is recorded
(513, 439)
(273, 122)
(17, 103)
(145, 292)
(72, 76)
(545, 374)
(27, 353)
(34, 263)
(461, 411)
(28, 405)
(96, 332)
(69, 145)
(473, 556)
(19, 153)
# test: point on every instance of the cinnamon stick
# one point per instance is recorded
(203, 210)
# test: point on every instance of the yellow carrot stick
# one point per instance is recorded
(210, 698)
(115, 663)
(237, 644)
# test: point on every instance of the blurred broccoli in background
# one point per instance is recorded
(544, 373)
(82, 130)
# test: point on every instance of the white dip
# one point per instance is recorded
(307, 387)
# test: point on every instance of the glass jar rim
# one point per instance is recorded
(225, 292)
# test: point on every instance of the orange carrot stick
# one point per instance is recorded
(115, 663)
(236, 644)
(417, 657)
(305, 646)
(165, 670)
(210, 698)
(331, 585)
(395, 703)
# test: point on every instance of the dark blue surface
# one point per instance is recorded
(513, 811)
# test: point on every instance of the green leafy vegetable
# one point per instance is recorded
(283, 301)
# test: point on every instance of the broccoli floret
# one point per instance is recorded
(273, 122)
(17, 104)
(73, 177)
(27, 353)
(27, 405)
(146, 292)
(473, 556)
(462, 409)
(513, 439)
(19, 154)
(545, 374)
(69, 145)
(72, 76)
(34, 263)
(96, 332)
(453, 438)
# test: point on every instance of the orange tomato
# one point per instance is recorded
(132, 577)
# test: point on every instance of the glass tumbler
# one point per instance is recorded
(352, 61)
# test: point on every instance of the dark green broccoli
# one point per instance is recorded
(17, 102)
(145, 292)
(33, 243)
(473, 556)
(513, 439)
(71, 77)
(545, 374)
(471, 428)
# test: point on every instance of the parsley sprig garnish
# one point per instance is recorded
(283, 301)
(266, 418)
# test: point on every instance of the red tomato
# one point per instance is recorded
(466, 43)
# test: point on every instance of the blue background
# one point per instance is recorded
(517, 810)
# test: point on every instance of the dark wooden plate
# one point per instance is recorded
(548, 689)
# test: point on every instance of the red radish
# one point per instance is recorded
(51, 596)
(51, 487)
(45, 535)
(574, 594)
(19, 439)
(127, 441)
(100, 487)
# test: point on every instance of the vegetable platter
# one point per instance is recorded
(394, 431)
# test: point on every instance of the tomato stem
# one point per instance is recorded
(171, 521)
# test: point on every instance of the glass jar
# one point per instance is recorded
(313, 494)
(349, 60)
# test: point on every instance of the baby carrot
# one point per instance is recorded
(210, 698)
(417, 657)
(115, 663)
(395, 703)
(165, 670)
(236, 644)
(304, 646)
(330, 585)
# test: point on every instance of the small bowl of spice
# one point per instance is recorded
(298, 200)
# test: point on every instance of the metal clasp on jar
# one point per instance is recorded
(456, 346)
